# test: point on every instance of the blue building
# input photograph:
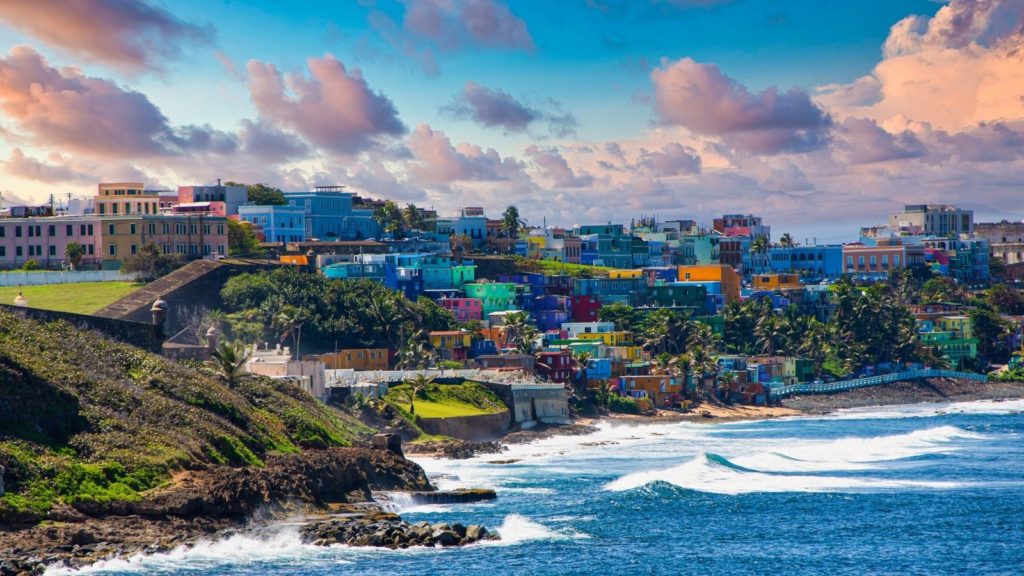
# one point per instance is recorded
(808, 261)
(278, 223)
(329, 214)
(471, 222)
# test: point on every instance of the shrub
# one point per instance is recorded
(623, 404)
(31, 264)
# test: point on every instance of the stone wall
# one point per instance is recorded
(141, 334)
(476, 428)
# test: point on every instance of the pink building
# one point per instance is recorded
(45, 240)
(464, 309)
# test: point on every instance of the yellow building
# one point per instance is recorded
(722, 273)
(959, 325)
(185, 236)
(776, 281)
(614, 338)
(125, 199)
(354, 359)
(621, 274)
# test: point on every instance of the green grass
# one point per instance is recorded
(446, 409)
(551, 267)
(447, 401)
(79, 298)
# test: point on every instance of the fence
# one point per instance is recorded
(38, 278)
(844, 385)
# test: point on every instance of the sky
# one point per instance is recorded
(819, 115)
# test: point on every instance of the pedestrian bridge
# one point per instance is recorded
(844, 385)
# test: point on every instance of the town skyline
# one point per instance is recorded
(587, 112)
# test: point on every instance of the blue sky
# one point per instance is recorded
(685, 107)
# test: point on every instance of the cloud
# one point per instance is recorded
(334, 108)
(701, 98)
(27, 168)
(269, 143)
(131, 35)
(862, 141)
(499, 109)
(962, 67)
(73, 112)
(429, 26)
(555, 167)
(229, 65)
(673, 159)
(436, 161)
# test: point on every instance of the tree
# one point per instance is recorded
(991, 331)
(389, 217)
(759, 249)
(940, 289)
(149, 263)
(416, 353)
(624, 316)
(412, 217)
(227, 362)
(30, 265)
(289, 321)
(74, 252)
(667, 331)
(520, 333)
(582, 362)
(418, 383)
(511, 223)
(786, 241)
(242, 240)
(1005, 299)
(263, 195)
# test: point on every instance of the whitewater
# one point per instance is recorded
(923, 489)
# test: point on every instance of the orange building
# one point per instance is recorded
(354, 359)
(776, 281)
(723, 273)
(662, 390)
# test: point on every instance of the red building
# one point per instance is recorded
(464, 309)
(584, 308)
(555, 366)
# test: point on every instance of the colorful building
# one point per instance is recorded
(185, 236)
(355, 359)
(276, 223)
(729, 279)
(662, 390)
(125, 199)
(496, 296)
(451, 344)
(45, 240)
(776, 281)
(464, 309)
(555, 366)
(329, 214)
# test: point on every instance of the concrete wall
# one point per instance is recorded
(16, 278)
(533, 403)
(477, 428)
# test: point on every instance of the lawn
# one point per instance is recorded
(80, 298)
(445, 409)
(447, 401)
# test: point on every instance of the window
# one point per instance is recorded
(874, 260)
(113, 208)
(110, 229)
(31, 231)
(860, 261)
(885, 261)
(18, 252)
(131, 230)
(17, 231)
(52, 231)
(113, 249)
(135, 249)
(3, 251)
(3, 231)
(69, 230)
(89, 248)
(53, 250)
(90, 230)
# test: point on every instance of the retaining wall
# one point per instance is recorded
(476, 428)
(18, 278)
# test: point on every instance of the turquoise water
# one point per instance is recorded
(925, 489)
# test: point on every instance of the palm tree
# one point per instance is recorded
(759, 249)
(786, 241)
(412, 217)
(74, 252)
(511, 223)
(520, 333)
(418, 383)
(582, 359)
(289, 320)
(416, 352)
(702, 365)
(227, 362)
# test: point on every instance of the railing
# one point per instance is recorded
(844, 385)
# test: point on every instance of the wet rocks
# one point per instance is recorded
(462, 496)
(384, 530)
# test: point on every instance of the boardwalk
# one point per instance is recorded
(844, 385)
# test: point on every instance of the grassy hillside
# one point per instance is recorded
(79, 297)
(447, 401)
(86, 418)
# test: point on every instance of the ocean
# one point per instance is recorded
(924, 489)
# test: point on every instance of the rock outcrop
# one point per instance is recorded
(381, 529)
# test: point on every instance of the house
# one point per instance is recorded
(813, 261)
(361, 359)
(184, 235)
(880, 259)
(663, 390)
(451, 344)
(277, 363)
(231, 197)
(464, 309)
(729, 279)
(278, 223)
(46, 239)
(328, 214)
(495, 296)
(584, 308)
(932, 220)
(555, 366)
(776, 281)
(506, 362)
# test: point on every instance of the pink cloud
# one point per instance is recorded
(28, 168)
(128, 34)
(672, 159)
(862, 141)
(703, 99)
(436, 161)
(555, 167)
(499, 109)
(334, 108)
(77, 113)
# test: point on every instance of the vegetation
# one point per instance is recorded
(336, 313)
(391, 220)
(30, 265)
(423, 398)
(74, 252)
(87, 419)
(149, 263)
(262, 194)
(242, 240)
(552, 268)
(76, 297)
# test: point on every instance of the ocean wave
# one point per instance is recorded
(927, 410)
(717, 475)
(516, 529)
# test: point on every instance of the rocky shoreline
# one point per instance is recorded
(386, 530)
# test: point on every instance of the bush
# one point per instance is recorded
(30, 265)
(623, 404)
